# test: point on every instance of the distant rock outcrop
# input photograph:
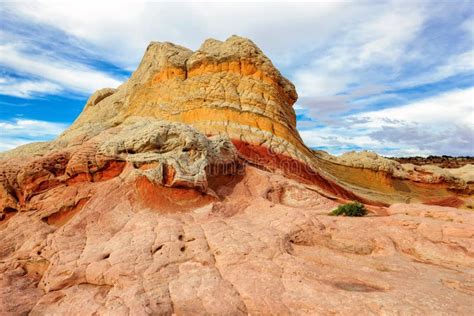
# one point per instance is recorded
(382, 179)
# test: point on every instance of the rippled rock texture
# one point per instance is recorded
(262, 244)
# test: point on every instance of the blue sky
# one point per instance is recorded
(395, 77)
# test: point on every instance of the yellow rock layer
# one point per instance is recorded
(227, 92)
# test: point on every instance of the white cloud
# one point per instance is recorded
(468, 26)
(329, 136)
(335, 44)
(21, 131)
(384, 40)
(64, 73)
(380, 40)
(121, 30)
(26, 88)
(443, 110)
(31, 128)
(317, 82)
(322, 108)
(437, 125)
(457, 64)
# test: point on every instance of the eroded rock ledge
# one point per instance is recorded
(166, 153)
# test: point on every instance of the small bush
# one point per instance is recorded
(350, 209)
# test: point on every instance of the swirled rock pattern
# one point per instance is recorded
(166, 153)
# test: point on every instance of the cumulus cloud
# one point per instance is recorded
(442, 110)
(323, 107)
(381, 40)
(457, 140)
(439, 124)
(325, 47)
(462, 63)
(371, 62)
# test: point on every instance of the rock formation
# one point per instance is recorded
(445, 162)
(187, 190)
(225, 88)
(389, 181)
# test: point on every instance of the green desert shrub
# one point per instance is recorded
(350, 209)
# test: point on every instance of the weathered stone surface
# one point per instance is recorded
(166, 153)
(265, 247)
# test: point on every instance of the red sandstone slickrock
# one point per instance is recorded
(188, 190)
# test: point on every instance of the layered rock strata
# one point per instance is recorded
(224, 88)
(387, 180)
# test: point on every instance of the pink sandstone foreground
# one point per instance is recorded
(188, 190)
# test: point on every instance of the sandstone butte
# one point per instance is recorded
(188, 190)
